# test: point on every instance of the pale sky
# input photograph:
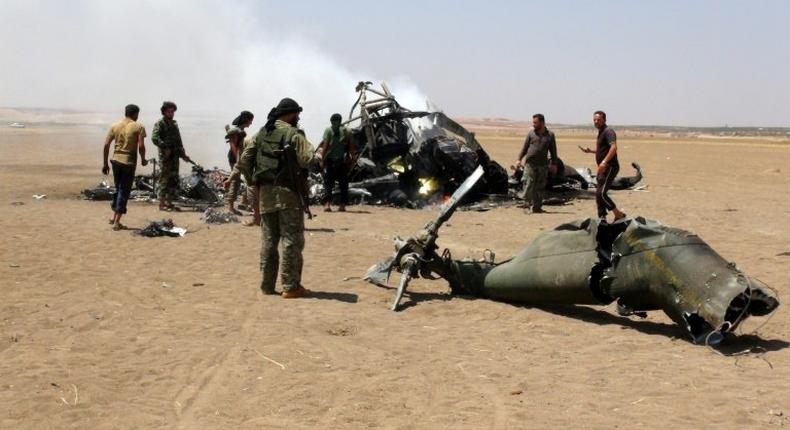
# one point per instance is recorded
(696, 63)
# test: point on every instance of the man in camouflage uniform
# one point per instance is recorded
(236, 137)
(233, 184)
(540, 142)
(282, 216)
(167, 138)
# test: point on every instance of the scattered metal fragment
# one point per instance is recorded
(39, 196)
(201, 189)
(162, 228)
(218, 216)
(640, 263)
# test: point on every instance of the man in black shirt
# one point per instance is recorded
(608, 166)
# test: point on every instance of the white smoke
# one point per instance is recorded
(212, 58)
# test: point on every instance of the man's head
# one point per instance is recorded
(288, 110)
(168, 109)
(336, 119)
(538, 122)
(599, 119)
(132, 111)
(244, 119)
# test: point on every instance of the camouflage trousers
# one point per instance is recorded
(288, 225)
(233, 191)
(535, 178)
(168, 176)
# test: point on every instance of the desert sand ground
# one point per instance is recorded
(102, 329)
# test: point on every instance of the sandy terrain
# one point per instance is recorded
(102, 329)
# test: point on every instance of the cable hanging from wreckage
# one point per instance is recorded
(413, 158)
(640, 263)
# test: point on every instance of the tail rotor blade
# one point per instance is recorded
(404, 282)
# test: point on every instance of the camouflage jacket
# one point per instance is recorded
(166, 135)
(273, 198)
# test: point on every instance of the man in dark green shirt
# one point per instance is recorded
(540, 142)
(337, 152)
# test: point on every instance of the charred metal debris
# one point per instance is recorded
(640, 264)
(163, 228)
(199, 190)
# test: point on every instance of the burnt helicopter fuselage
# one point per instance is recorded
(414, 156)
(640, 263)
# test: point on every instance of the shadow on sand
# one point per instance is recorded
(747, 344)
(340, 297)
(733, 344)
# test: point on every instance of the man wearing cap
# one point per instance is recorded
(129, 137)
(167, 138)
(281, 213)
(336, 150)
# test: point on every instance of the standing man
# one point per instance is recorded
(129, 137)
(608, 166)
(281, 212)
(235, 136)
(233, 183)
(539, 143)
(167, 138)
(336, 150)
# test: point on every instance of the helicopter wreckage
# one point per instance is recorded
(404, 158)
(639, 263)
(412, 158)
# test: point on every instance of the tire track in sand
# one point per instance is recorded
(191, 397)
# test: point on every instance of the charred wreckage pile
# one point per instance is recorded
(199, 190)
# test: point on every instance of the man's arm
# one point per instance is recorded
(107, 141)
(304, 150)
(523, 151)
(553, 148)
(610, 154)
(244, 165)
(141, 147)
(612, 138)
(179, 146)
(156, 135)
(323, 147)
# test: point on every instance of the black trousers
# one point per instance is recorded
(335, 170)
(603, 183)
(123, 174)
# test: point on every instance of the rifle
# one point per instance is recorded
(297, 178)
